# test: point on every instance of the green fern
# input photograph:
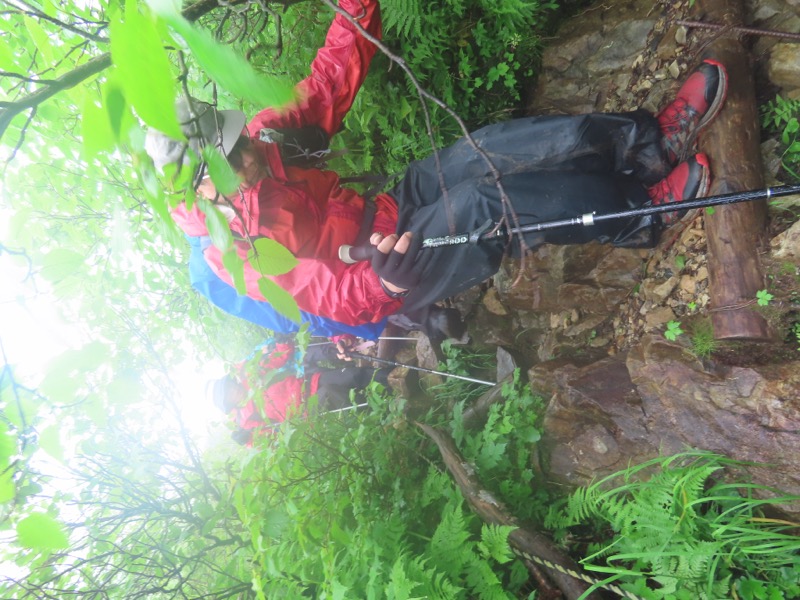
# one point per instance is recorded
(448, 543)
(485, 583)
(494, 542)
(402, 18)
(400, 586)
(679, 529)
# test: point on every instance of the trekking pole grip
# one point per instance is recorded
(353, 254)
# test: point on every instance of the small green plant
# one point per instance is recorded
(680, 262)
(763, 297)
(796, 331)
(462, 360)
(673, 331)
(781, 115)
(710, 210)
(673, 522)
(703, 342)
(692, 306)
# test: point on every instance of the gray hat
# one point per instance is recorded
(203, 125)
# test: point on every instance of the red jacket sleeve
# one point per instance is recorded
(337, 73)
(349, 294)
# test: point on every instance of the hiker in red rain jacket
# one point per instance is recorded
(275, 383)
(554, 167)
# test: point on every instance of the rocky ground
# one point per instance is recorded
(614, 57)
(588, 322)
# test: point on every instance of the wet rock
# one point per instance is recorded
(657, 400)
(658, 317)
(783, 65)
(617, 52)
(657, 291)
(786, 246)
(426, 357)
(688, 284)
(491, 301)
(506, 364)
(594, 277)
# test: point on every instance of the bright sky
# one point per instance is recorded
(33, 333)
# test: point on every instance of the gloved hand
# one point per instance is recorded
(398, 262)
(344, 344)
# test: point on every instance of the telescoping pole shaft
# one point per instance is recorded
(415, 368)
(352, 254)
(591, 218)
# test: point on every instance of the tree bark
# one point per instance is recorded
(524, 541)
(734, 232)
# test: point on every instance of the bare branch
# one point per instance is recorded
(34, 12)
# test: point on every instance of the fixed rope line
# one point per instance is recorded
(611, 587)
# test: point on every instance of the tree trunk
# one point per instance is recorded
(732, 143)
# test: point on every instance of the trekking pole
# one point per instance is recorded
(488, 231)
(353, 407)
(415, 368)
(380, 338)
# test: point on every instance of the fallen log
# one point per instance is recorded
(526, 543)
(732, 142)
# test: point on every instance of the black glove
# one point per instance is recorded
(402, 270)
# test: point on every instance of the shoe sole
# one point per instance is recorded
(703, 186)
(719, 97)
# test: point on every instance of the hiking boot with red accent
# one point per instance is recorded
(697, 103)
(690, 179)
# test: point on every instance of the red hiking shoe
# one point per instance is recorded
(696, 104)
(690, 179)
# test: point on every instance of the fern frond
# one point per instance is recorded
(449, 547)
(494, 542)
(400, 585)
(403, 18)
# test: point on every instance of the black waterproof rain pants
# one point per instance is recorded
(552, 167)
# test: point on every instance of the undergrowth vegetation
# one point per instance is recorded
(780, 116)
(358, 506)
(683, 533)
(474, 55)
(361, 506)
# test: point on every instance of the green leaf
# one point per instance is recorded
(67, 372)
(50, 442)
(95, 129)
(228, 69)
(144, 71)
(235, 266)
(60, 263)
(280, 299)
(217, 225)
(8, 61)
(222, 175)
(41, 532)
(40, 40)
(7, 487)
(8, 446)
(118, 110)
(269, 257)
